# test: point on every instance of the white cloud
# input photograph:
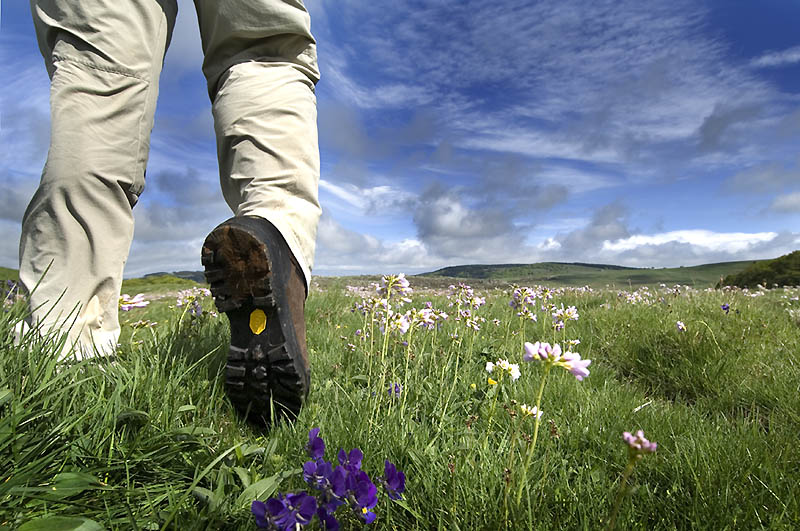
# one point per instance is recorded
(731, 242)
(788, 56)
(376, 199)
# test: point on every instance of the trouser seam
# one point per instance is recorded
(57, 58)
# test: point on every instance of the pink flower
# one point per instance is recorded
(638, 445)
(576, 366)
(126, 302)
(541, 350)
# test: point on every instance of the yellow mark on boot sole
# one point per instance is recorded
(258, 321)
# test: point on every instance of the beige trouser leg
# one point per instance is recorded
(104, 58)
(261, 67)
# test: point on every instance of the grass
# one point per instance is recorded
(151, 442)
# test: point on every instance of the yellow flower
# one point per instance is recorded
(473, 386)
(492, 382)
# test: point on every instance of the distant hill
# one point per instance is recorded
(553, 273)
(8, 274)
(783, 271)
(196, 276)
(595, 275)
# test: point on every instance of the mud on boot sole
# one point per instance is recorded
(265, 376)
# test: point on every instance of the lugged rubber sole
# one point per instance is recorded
(265, 377)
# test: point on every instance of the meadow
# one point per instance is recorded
(149, 441)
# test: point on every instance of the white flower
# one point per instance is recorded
(530, 411)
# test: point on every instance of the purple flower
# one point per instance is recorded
(638, 445)
(126, 302)
(285, 512)
(329, 522)
(317, 473)
(541, 350)
(726, 308)
(352, 461)
(395, 389)
(364, 494)
(575, 365)
(394, 481)
(316, 446)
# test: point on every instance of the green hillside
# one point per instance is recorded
(595, 275)
(8, 274)
(783, 271)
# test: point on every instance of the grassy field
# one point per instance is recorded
(150, 442)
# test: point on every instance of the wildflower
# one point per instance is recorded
(285, 512)
(395, 389)
(126, 302)
(526, 313)
(399, 322)
(575, 365)
(329, 523)
(474, 323)
(394, 481)
(315, 446)
(681, 327)
(364, 493)
(395, 284)
(562, 314)
(552, 356)
(726, 308)
(512, 369)
(543, 351)
(491, 381)
(530, 411)
(638, 445)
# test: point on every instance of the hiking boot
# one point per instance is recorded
(256, 281)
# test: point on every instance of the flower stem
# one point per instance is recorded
(491, 411)
(620, 493)
(532, 447)
(508, 467)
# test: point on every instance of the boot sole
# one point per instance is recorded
(265, 376)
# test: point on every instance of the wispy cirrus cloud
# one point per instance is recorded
(785, 57)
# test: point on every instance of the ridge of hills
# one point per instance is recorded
(596, 275)
(557, 273)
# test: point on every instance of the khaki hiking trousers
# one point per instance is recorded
(104, 58)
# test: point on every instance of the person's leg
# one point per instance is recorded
(104, 58)
(261, 67)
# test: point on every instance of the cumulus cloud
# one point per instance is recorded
(343, 251)
(675, 251)
(451, 228)
(732, 242)
(609, 222)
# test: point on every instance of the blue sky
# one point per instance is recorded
(649, 134)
